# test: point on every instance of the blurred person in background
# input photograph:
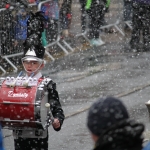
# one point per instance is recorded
(83, 15)
(21, 26)
(51, 14)
(50, 11)
(127, 12)
(96, 11)
(141, 25)
(55, 12)
(107, 5)
(83, 4)
(65, 17)
(111, 127)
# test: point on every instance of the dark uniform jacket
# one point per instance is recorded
(55, 103)
(57, 112)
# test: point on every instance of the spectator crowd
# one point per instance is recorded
(58, 16)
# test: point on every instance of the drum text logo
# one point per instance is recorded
(12, 94)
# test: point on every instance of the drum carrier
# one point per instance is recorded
(24, 104)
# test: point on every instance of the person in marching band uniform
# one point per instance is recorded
(33, 63)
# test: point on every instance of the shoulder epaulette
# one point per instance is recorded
(50, 84)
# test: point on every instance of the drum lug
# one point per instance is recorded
(18, 132)
(38, 132)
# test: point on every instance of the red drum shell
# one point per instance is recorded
(17, 106)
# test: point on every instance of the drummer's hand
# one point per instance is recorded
(56, 123)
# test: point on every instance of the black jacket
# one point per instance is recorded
(55, 103)
(126, 135)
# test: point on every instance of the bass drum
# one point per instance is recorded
(23, 107)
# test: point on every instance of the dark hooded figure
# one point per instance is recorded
(96, 12)
(141, 22)
(111, 128)
(127, 12)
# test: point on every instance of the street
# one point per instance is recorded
(85, 77)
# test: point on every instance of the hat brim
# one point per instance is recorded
(31, 58)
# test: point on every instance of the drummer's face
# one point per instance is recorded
(32, 66)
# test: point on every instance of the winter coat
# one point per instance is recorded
(51, 10)
(1, 140)
(147, 147)
(93, 5)
(66, 7)
(21, 27)
(126, 135)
